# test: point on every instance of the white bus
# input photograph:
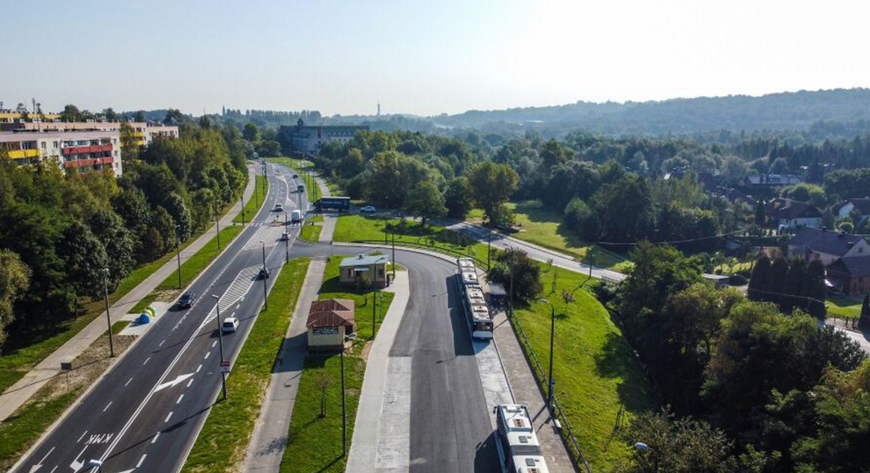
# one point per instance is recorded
(473, 300)
(519, 444)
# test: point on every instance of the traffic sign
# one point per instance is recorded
(225, 363)
(225, 369)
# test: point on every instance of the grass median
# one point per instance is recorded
(310, 233)
(252, 206)
(224, 438)
(595, 370)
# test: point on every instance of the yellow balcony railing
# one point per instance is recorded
(23, 153)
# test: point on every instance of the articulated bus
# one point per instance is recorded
(473, 300)
(516, 435)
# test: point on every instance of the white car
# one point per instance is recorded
(279, 208)
(230, 325)
(368, 209)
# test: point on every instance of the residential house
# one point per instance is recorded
(788, 213)
(734, 195)
(373, 267)
(330, 321)
(826, 245)
(845, 208)
(850, 275)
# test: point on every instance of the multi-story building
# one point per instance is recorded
(308, 139)
(74, 151)
(145, 132)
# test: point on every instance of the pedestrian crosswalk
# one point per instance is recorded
(237, 290)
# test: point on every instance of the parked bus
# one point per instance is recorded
(473, 300)
(519, 443)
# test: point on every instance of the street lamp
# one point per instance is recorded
(108, 317)
(343, 403)
(217, 224)
(286, 241)
(243, 207)
(178, 255)
(646, 448)
(217, 318)
(265, 277)
(552, 336)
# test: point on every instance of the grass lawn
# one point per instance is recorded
(332, 289)
(594, 368)
(310, 233)
(224, 438)
(351, 228)
(314, 442)
(844, 307)
(542, 226)
(252, 206)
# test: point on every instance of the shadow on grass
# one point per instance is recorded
(616, 360)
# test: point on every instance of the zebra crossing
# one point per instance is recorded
(237, 290)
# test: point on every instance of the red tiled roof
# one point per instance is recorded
(331, 313)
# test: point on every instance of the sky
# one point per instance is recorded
(420, 57)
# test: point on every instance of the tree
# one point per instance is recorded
(85, 258)
(323, 382)
(815, 289)
(491, 185)
(580, 218)
(110, 114)
(864, 321)
(251, 132)
(173, 115)
(760, 214)
(625, 209)
(426, 201)
(14, 281)
(758, 279)
(139, 117)
(457, 198)
(109, 229)
(553, 154)
(71, 113)
(526, 274)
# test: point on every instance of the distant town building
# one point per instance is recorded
(329, 322)
(145, 132)
(788, 213)
(845, 208)
(826, 245)
(771, 180)
(850, 275)
(308, 139)
(73, 151)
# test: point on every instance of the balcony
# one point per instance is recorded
(23, 153)
(74, 163)
(87, 149)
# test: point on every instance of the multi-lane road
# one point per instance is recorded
(145, 413)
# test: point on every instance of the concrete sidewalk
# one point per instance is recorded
(270, 433)
(382, 432)
(20, 392)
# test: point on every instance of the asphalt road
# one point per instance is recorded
(144, 415)
(450, 425)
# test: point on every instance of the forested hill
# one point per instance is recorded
(781, 111)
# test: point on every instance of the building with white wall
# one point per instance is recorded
(73, 151)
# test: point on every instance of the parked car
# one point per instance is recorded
(230, 325)
(285, 236)
(187, 300)
(264, 273)
(279, 208)
(368, 209)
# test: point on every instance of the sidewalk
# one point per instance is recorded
(382, 432)
(269, 439)
(20, 392)
(329, 219)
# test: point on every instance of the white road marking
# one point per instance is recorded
(146, 361)
(198, 368)
(83, 436)
(168, 416)
(213, 343)
(178, 380)
(128, 382)
(76, 465)
(36, 467)
(52, 470)
(207, 354)
(141, 460)
(190, 382)
(154, 440)
(161, 343)
(107, 406)
(179, 399)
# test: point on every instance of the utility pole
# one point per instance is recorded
(221, 342)
(488, 245)
(511, 290)
(394, 255)
(178, 256)
(217, 224)
(108, 317)
(243, 207)
(264, 182)
(286, 241)
(343, 405)
(552, 336)
(265, 277)
(374, 310)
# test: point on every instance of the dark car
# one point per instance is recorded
(295, 176)
(264, 273)
(187, 300)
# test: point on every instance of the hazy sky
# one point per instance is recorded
(423, 57)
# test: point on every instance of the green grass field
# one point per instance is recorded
(310, 233)
(252, 205)
(542, 226)
(351, 228)
(333, 289)
(225, 436)
(844, 307)
(594, 368)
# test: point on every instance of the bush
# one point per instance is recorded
(580, 218)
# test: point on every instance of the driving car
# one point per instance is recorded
(264, 273)
(368, 209)
(295, 176)
(279, 208)
(187, 300)
(230, 324)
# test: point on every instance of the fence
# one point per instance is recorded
(419, 244)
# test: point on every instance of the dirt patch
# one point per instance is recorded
(167, 296)
(87, 367)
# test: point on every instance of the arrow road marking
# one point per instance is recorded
(179, 379)
(76, 465)
(39, 465)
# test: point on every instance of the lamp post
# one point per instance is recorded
(217, 301)
(343, 403)
(374, 311)
(243, 207)
(108, 317)
(394, 254)
(265, 277)
(646, 448)
(488, 244)
(217, 224)
(552, 336)
(286, 241)
(178, 255)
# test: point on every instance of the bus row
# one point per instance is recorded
(476, 309)
(519, 444)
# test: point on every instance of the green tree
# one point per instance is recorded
(625, 210)
(86, 259)
(760, 214)
(864, 321)
(14, 281)
(109, 229)
(426, 201)
(553, 154)
(815, 289)
(758, 279)
(251, 132)
(71, 113)
(526, 274)
(173, 115)
(580, 218)
(491, 185)
(457, 198)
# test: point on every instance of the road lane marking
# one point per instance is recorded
(198, 368)
(161, 343)
(207, 354)
(155, 437)
(141, 460)
(128, 382)
(36, 467)
(213, 343)
(179, 399)
(168, 416)
(107, 406)
(52, 470)
(146, 361)
(83, 436)
(190, 382)
(178, 380)
(76, 465)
